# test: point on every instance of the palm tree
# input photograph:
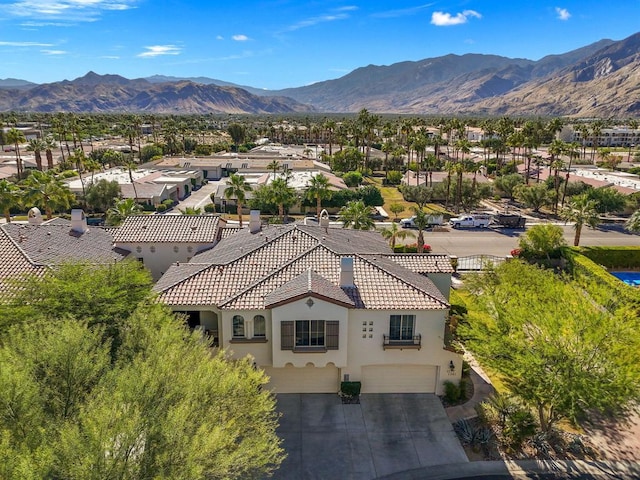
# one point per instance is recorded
(237, 187)
(131, 167)
(582, 211)
(633, 224)
(274, 166)
(318, 189)
(9, 198)
(393, 233)
(16, 137)
(357, 215)
(47, 191)
(191, 211)
(37, 146)
(282, 195)
(49, 145)
(121, 210)
(421, 221)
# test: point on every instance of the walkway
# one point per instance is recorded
(482, 388)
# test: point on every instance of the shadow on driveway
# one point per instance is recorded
(384, 434)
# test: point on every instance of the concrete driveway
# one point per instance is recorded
(384, 434)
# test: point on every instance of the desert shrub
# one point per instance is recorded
(394, 177)
(161, 208)
(210, 208)
(352, 179)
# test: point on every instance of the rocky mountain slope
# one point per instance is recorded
(113, 93)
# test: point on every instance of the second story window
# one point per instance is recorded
(402, 327)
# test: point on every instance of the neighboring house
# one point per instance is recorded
(160, 240)
(315, 306)
(31, 248)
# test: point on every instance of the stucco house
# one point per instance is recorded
(315, 306)
(160, 240)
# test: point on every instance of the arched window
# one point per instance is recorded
(259, 326)
(238, 326)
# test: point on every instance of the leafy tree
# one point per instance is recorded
(396, 209)
(508, 183)
(237, 187)
(70, 410)
(633, 223)
(347, 160)
(149, 152)
(318, 190)
(371, 196)
(356, 215)
(47, 191)
(9, 198)
(238, 133)
(553, 347)
(352, 179)
(418, 194)
(262, 200)
(533, 196)
(582, 211)
(393, 233)
(542, 241)
(121, 210)
(102, 194)
(470, 195)
(607, 199)
(394, 177)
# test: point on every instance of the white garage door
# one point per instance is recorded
(303, 380)
(399, 379)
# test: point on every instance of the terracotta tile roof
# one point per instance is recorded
(308, 283)
(423, 264)
(249, 270)
(168, 229)
(229, 230)
(55, 243)
(13, 262)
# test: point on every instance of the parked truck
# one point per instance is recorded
(432, 221)
(471, 221)
(510, 220)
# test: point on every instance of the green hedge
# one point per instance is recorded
(626, 258)
(352, 389)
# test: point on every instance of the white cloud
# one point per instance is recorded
(403, 12)
(338, 14)
(53, 52)
(240, 38)
(157, 50)
(65, 11)
(563, 13)
(24, 44)
(219, 37)
(442, 19)
(110, 57)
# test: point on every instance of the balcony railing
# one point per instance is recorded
(414, 342)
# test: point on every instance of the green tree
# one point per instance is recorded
(149, 152)
(37, 146)
(352, 179)
(238, 133)
(318, 190)
(122, 209)
(418, 194)
(552, 346)
(47, 191)
(607, 199)
(582, 211)
(508, 183)
(274, 166)
(533, 196)
(191, 211)
(102, 194)
(542, 241)
(421, 221)
(9, 198)
(355, 214)
(393, 233)
(16, 137)
(396, 209)
(633, 223)
(282, 195)
(237, 188)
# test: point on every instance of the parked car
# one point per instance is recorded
(432, 221)
(471, 221)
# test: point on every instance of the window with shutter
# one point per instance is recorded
(333, 331)
(287, 335)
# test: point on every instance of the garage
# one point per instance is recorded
(399, 378)
(304, 380)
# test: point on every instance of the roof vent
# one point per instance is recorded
(34, 216)
(78, 221)
(254, 221)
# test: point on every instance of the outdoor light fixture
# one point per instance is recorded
(452, 367)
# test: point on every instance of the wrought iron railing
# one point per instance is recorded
(412, 342)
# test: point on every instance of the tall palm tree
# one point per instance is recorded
(318, 190)
(573, 151)
(282, 195)
(274, 166)
(121, 210)
(9, 198)
(393, 233)
(582, 211)
(357, 215)
(16, 137)
(421, 221)
(37, 146)
(47, 191)
(49, 145)
(237, 188)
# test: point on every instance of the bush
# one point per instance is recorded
(350, 389)
(394, 177)
(161, 208)
(210, 208)
(452, 392)
(168, 203)
(352, 179)
(411, 248)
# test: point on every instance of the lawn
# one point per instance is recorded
(393, 195)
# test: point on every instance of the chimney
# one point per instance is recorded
(346, 272)
(34, 216)
(78, 221)
(254, 221)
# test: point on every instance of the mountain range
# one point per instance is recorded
(598, 80)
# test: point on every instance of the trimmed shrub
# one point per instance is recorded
(161, 208)
(351, 389)
(452, 392)
(210, 208)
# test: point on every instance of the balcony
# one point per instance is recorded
(414, 343)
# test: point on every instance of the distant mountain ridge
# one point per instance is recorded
(598, 80)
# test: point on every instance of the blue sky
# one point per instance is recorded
(286, 43)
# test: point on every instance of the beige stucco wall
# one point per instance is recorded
(260, 351)
(158, 261)
(320, 310)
